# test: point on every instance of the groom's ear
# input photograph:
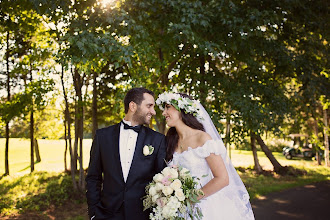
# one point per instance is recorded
(132, 106)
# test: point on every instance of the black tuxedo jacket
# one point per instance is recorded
(106, 188)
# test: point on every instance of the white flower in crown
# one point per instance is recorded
(148, 150)
(181, 103)
(187, 105)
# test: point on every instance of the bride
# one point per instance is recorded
(194, 143)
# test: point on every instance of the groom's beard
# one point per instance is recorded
(141, 118)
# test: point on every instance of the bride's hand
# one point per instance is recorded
(201, 194)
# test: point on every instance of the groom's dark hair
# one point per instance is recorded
(135, 95)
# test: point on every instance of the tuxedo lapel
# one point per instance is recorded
(138, 150)
(115, 138)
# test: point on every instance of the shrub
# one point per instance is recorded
(35, 192)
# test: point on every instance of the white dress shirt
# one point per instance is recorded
(127, 143)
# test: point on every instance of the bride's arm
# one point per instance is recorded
(220, 174)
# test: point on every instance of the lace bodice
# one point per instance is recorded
(194, 160)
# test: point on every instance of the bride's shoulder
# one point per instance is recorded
(203, 137)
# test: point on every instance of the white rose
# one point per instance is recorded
(173, 200)
(166, 171)
(170, 172)
(184, 172)
(158, 177)
(159, 186)
(166, 212)
(174, 173)
(173, 203)
(145, 150)
(155, 197)
(152, 191)
(180, 195)
(161, 201)
(176, 184)
(167, 190)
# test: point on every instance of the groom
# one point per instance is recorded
(124, 158)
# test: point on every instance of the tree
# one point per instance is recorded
(244, 60)
(306, 34)
(10, 18)
(34, 62)
(81, 43)
(229, 44)
(240, 67)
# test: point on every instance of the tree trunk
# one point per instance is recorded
(7, 150)
(7, 120)
(227, 144)
(278, 168)
(81, 170)
(326, 138)
(257, 166)
(68, 120)
(94, 105)
(32, 140)
(76, 82)
(79, 110)
(75, 142)
(32, 130)
(203, 90)
(66, 143)
(318, 158)
(81, 138)
(36, 147)
(316, 132)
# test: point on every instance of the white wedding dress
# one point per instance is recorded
(231, 202)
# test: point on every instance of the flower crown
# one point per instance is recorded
(178, 102)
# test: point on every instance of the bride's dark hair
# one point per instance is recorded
(172, 136)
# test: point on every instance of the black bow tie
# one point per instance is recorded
(135, 128)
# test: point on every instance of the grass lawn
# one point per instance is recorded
(242, 158)
(47, 193)
(51, 152)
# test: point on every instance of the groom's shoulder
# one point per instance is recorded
(106, 130)
(153, 132)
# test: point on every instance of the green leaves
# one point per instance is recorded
(22, 103)
(244, 54)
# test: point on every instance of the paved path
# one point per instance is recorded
(310, 202)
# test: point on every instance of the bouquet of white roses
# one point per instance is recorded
(173, 195)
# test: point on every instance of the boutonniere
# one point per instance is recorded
(148, 150)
